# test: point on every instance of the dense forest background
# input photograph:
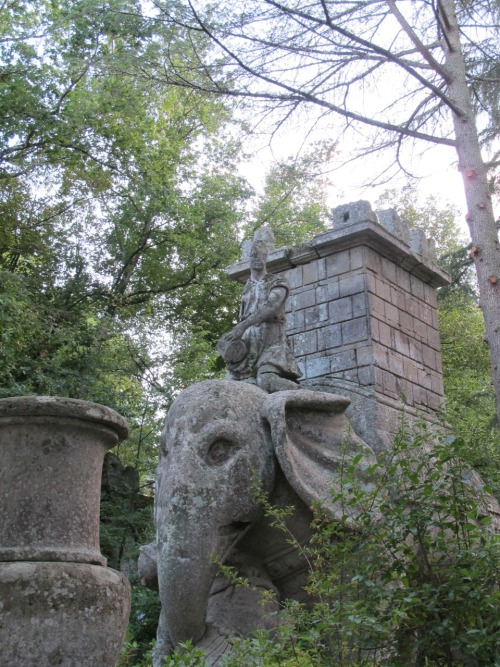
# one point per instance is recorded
(121, 204)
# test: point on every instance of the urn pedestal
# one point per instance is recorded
(60, 605)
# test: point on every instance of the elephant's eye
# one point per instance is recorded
(220, 451)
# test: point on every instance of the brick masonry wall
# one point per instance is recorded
(362, 316)
(359, 317)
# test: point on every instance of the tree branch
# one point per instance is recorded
(437, 67)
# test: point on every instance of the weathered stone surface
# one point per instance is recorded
(147, 566)
(257, 349)
(221, 439)
(350, 214)
(51, 457)
(61, 614)
(118, 478)
(399, 227)
(369, 286)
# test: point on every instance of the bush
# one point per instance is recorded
(419, 583)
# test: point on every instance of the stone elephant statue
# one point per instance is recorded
(221, 439)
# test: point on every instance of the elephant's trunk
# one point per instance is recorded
(188, 562)
(186, 580)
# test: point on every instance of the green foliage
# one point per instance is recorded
(470, 398)
(293, 202)
(145, 609)
(185, 655)
(420, 580)
(435, 220)
(120, 209)
(126, 524)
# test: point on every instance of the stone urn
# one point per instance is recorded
(59, 604)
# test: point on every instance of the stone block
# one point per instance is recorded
(410, 371)
(294, 277)
(314, 271)
(424, 379)
(389, 384)
(439, 363)
(385, 382)
(340, 310)
(329, 291)
(380, 357)
(373, 261)
(338, 263)
(406, 322)
(364, 355)
(399, 227)
(365, 376)
(295, 321)
(430, 296)
(302, 254)
(415, 350)
(329, 337)
(303, 299)
(382, 289)
(316, 367)
(417, 287)
(384, 334)
(437, 383)
(429, 357)
(405, 390)
(343, 361)
(359, 306)
(402, 343)
(350, 214)
(420, 329)
(354, 284)
(426, 313)
(433, 401)
(356, 256)
(377, 306)
(351, 375)
(391, 314)
(389, 270)
(398, 299)
(315, 315)
(354, 331)
(419, 396)
(304, 343)
(412, 307)
(396, 364)
(435, 319)
(403, 279)
(423, 246)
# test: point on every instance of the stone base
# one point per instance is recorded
(375, 418)
(61, 614)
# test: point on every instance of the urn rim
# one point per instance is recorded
(59, 406)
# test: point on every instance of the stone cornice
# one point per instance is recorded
(363, 233)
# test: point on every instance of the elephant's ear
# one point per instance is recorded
(313, 442)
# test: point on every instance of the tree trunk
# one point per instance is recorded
(480, 218)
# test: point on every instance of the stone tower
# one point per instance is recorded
(362, 317)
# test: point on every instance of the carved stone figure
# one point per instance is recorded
(221, 441)
(257, 350)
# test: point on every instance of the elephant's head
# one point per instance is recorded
(219, 439)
